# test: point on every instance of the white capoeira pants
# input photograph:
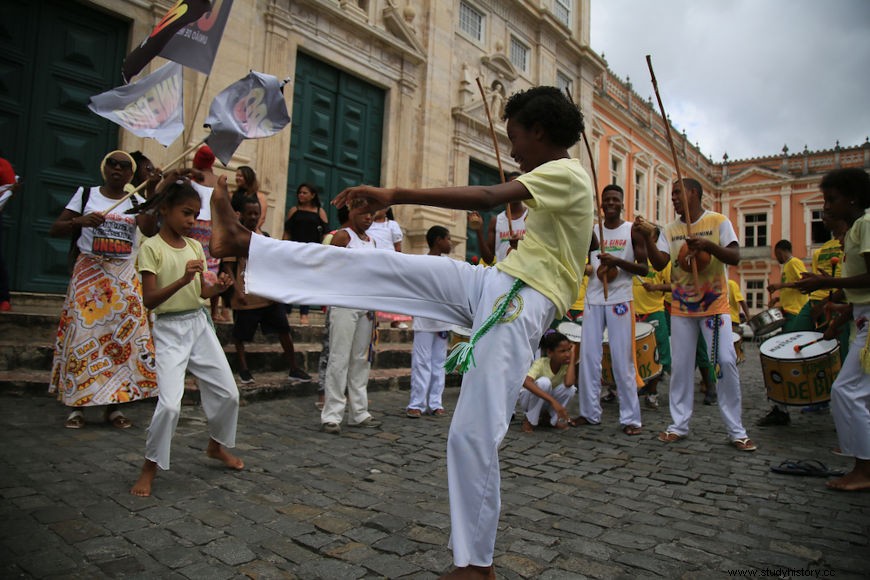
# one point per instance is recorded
(427, 370)
(684, 333)
(619, 321)
(850, 393)
(188, 341)
(350, 334)
(533, 405)
(442, 289)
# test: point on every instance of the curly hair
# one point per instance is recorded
(851, 182)
(549, 107)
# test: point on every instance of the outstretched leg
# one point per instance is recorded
(228, 236)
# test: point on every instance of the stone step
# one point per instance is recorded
(268, 385)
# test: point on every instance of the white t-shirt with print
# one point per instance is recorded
(117, 236)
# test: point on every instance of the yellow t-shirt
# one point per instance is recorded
(649, 302)
(169, 264)
(541, 368)
(580, 304)
(551, 256)
(857, 244)
(822, 264)
(712, 296)
(735, 297)
(791, 299)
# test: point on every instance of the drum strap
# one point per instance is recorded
(714, 356)
(461, 357)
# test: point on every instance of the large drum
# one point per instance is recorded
(458, 334)
(646, 355)
(799, 378)
(766, 321)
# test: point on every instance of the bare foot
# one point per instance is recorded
(228, 236)
(856, 480)
(142, 487)
(217, 451)
(470, 573)
(527, 427)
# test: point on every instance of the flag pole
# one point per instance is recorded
(141, 186)
(196, 110)
(507, 207)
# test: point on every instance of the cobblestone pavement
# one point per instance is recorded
(590, 502)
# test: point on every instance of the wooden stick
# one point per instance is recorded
(685, 196)
(142, 185)
(497, 154)
(597, 195)
(800, 347)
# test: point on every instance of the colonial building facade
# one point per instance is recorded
(383, 92)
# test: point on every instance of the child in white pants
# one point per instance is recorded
(430, 346)
(171, 265)
(847, 197)
(550, 383)
(508, 307)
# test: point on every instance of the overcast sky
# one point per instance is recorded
(746, 76)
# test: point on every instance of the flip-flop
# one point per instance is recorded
(810, 467)
(118, 420)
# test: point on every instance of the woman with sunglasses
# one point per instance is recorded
(104, 354)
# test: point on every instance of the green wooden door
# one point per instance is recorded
(480, 174)
(54, 55)
(336, 134)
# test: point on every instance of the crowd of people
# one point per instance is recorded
(135, 316)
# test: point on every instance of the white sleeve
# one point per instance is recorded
(727, 235)
(662, 244)
(75, 204)
(396, 231)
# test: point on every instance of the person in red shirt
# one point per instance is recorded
(7, 178)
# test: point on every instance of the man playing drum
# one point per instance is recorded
(700, 306)
(621, 255)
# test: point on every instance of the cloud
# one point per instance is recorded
(746, 76)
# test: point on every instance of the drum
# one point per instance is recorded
(738, 347)
(799, 378)
(646, 355)
(571, 330)
(766, 321)
(458, 334)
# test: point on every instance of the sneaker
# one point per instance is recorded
(652, 402)
(775, 417)
(298, 374)
(246, 377)
(710, 399)
(367, 423)
(5, 306)
(744, 444)
(333, 428)
(413, 413)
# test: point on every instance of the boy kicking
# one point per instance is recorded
(508, 307)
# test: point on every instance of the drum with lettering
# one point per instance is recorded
(799, 368)
(458, 334)
(738, 347)
(646, 355)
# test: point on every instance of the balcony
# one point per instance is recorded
(756, 253)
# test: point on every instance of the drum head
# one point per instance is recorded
(571, 330)
(641, 329)
(735, 338)
(460, 330)
(782, 346)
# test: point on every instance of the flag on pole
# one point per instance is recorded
(150, 107)
(196, 45)
(251, 108)
(180, 15)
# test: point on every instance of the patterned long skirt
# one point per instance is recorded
(104, 353)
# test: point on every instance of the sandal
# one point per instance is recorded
(632, 430)
(810, 467)
(580, 420)
(76, 420)
(744, 444)
(670, 437)
(118, 420)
